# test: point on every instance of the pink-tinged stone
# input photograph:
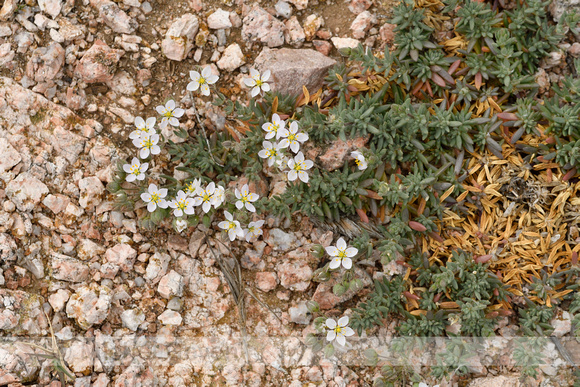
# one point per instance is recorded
(322, 46)
(294, 275)
(99, 63)
(45, 63)
(89, 305)
(121, 255)
(56, 203)
(358, 6)
(294, 33)
(26, 191)
(311, 26)
(299, 4)
(65, 268)
(293, 68)
(232, 58)
(260, 26)
(219, 19)
(80, 356)
(9, 157)
(344, 42)
(180, 37)
(339, 152)
(91, 190)
(266, 281)
(114, 17)
(362, 23)
(21, 313)
(171, 285)
(387, 33)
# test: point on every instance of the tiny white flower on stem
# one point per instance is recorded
(293, 138)
(155, 198)
(270, 152)
(148, 145)
(143, 127)
(274, 128)
(182, 204)
(169, 113)
(205, 197)
(219, 196)
(202, 81)
(298, 166)
(338, 331)
(135, 170)
(180, 225)
(245, 198)
(192, 186)
(360, 160)
(231, 226)
(254, 230)
(257, 82)
(342, 254)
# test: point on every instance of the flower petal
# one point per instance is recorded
(340, 339)
(332, 251)
(303, 176)
(347, 331)
(343, 321)
(146, 197)
(249, 82)
(191, 86)
(265, 87)
(250, 207)
(347, 263)
(341, 244)
(266, 75)
(239, 204)
(334, 264)
(330, 323)
(331, 335)
(151, 206)
(170, 104)
(255, 91)
(292, 175)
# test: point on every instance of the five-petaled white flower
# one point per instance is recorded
(205, 197)
(274, 128)
(202, 81)
(245, 198)
(154, 197)
(169, 113)
(231, 226)
(298, 166)
(270, 152)
(257, 82)
(359, 159)
(192, 186)
(254, 230)
(219, 196)
(135, 170)
(148, 144)
(293, 138)
(182, 204)
(338, 331)
(143, 127)
(342, 254)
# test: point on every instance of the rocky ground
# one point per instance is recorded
(136, 308)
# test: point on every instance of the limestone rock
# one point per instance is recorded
(232, 58)
(260, 26)
(99, 63)
(89, 305)
(180, 37)
(26, 191)
(45, 63)
(219, 19)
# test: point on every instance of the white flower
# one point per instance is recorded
(258, 82)
(245, 198)
(148, 144)
(298, 166)
(205, 197)
(154, 197)
(182, 204)
(231, 226)
(135, 170)
(274, 128)
(422, 384)
(202, 81)
(143, 127)
(293, 138)
(170, 114)
(192, 186)
(254, 230)
(341, 254)
(360, 160)
(180, 225)
(270, 152)
(219, 196)
(338, 331)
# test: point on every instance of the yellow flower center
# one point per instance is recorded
(341, 254)
(155, 198)
(135, 170)
(181, 204)
(259, 82)
(338, 329)
(357, 161)
(291, 137)
(168, 113)
(231, 225)
(206, 197)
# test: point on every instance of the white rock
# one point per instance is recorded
(91, 190)
(157, 267)
(9, 157)
(80, 357)
(132, 318)
(121, 255)
(299, 4)
(26, 191)
(87, 249)
(344, 42)
(562, 325)
(282, 241)
(89, 305)
(58, 300)
(51, 7)
(171, 285)
(219, 19)
(180, 37)
(122, 83)
(299, 314)
(232, 58)
(362, 23)
(170, 317)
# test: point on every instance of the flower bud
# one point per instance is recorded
(312, 306)
(317, 250)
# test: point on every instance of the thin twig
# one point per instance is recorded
(203, 130)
